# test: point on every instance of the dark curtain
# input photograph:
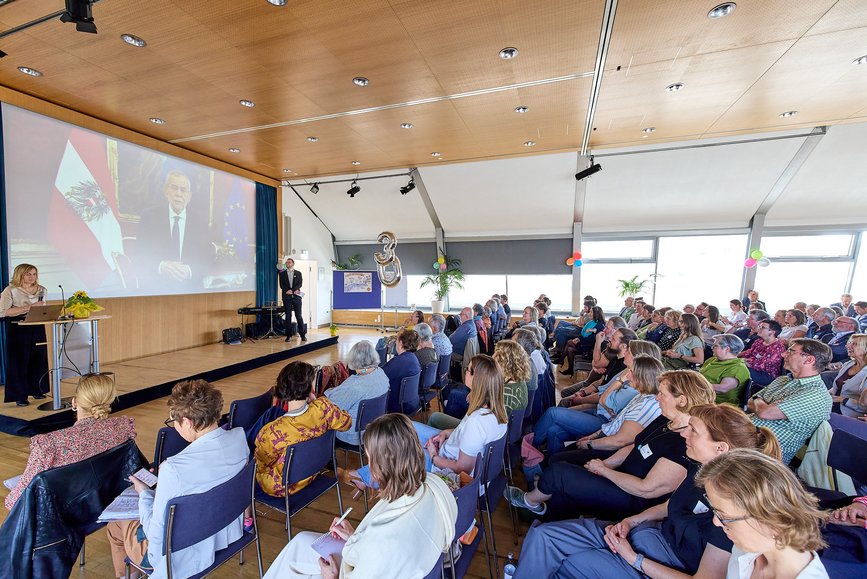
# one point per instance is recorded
(266, 243)
(4, 251)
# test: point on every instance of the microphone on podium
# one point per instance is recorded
(62, 303)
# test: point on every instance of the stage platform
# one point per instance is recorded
(144, 379)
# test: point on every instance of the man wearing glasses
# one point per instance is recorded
(794, 407)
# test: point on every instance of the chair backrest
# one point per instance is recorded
(452, 324)
(846, 454)
(169, 443)
(245, 413)
(470, 351)
(528, 412)
(369, 410)
(383, 356)
(467, 498)
(850, 425)
(492, 460)
(304, 459)
(429, 375)
(745, 393)
(409, 400)
(443, 370)
(193, 518)
(516, 422)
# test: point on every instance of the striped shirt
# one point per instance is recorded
(642, 409)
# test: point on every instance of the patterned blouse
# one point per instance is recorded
(84, 439)
(319, 417)
(666, 342)
(766, 358)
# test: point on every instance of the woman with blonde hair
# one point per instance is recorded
(26, 354)
(676, 538)
(689, 346)
(772, 520)
(403, 535)
(93, 432)
(456, 449)
(635, 477)
(850, 384)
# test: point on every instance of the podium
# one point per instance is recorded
(59, 332)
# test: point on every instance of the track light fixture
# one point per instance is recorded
(408, 187)
(81, 13)
(592, 169)
(353, 190)
(315, 188)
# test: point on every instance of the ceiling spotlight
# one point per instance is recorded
(594, 168)
(287, 170)
(648, 130)
(80, 12)
(157, 121)
(315, 188)
(408, 187)
(860, 60)
(29, 71)
(508, 53)
(356, 162)
(788, 114)
(234, 150)
(277, 2)
(133, 40)
(3, 54)
(246, 103)
(312, 139)
(353, 190)
(529, 143)
(406, 125)
(722, 10)
(674, 87)
(521, 110)
(436, 154)
(360, 81)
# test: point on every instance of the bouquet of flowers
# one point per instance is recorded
(80, 305)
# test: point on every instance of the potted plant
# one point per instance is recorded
(333, 329)
(353, 262)
(631, 287)
(449, 275)
(80, 305)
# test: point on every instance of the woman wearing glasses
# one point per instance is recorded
(456, 449)
(762, 507)
(674, 539)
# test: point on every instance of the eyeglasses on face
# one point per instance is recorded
(170, 421)
(793, 351)
(469, 370)
(724, 521)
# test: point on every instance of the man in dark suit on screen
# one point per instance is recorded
(173, 247)
(290, 285)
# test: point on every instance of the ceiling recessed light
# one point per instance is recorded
(157, 121)
(312, 139)
(133, 40)
(648, 130)
(234, 150)
(521, 110)
(529, 143)
(788, 114)
(29, 71)
(436, 154)
(287, 170)
(356, 162)
(860, 60)
(722, 10)
(246, 103)
(360, 81)
(674, 87)
(277, 2)
(406, 125)
(508, 53)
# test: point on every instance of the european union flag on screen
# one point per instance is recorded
(235, 232)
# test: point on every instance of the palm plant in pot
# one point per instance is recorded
(449, 275)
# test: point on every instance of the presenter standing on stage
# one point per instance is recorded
(26, 350)
(290, 285)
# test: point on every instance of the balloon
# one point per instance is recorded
(750, 262)
(756, 254)
(578, 263)
(441, 259)
(570, 261)
(443, 267)
(387, 263)
(436, 265)
(577, 255)
(764, 262)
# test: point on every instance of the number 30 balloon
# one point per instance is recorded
(389, 276)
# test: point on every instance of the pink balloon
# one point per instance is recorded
(750, 262)
(443, 267)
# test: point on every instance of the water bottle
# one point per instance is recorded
(510, 568)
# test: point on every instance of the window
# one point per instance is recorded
(524, 289)
(477, 290)
(693, 269)
(419, 296)
(859, 281)
(807, 246)
(600, 280)
(781, 284)
(622, 250)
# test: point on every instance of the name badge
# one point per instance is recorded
(645, 451)
(700, 508)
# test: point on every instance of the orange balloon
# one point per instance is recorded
(570, 261)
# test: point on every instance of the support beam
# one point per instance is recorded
(428, 204)
(598, 70)
(792, 169)
(577, 226)
(754, 241)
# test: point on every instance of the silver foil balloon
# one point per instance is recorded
(387, 262)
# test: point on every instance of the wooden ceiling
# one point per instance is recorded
(297, 63)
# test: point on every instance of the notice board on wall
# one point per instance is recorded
(357, 290)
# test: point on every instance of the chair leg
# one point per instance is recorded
(496, 570)
(288, 526)
(487, 550)
(259, 554)
(81, 556)
(126, 573)
(364, 492)
(241, 558)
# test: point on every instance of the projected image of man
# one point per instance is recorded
(173, 241)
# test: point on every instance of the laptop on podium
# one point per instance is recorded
(44, 313)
